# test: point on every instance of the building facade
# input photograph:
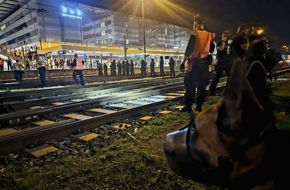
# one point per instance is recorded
(47, 23)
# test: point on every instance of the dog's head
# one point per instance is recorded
(213, 146)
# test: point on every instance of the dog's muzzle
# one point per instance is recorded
(183, 160)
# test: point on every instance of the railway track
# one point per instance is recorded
(89, 107)
(54, 113)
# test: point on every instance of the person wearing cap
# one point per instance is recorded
(223, 60)
(78, 68)
(40, 65)
(198, 57)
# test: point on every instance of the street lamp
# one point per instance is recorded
(143, 26)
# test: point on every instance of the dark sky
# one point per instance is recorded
(219, 14)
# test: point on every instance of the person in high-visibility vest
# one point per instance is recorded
(18, 71)
(198, 56)
(78, 68)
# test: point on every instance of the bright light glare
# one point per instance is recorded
(260, 31)
(173, 10)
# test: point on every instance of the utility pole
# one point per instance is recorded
(144, 31)
(125, 47)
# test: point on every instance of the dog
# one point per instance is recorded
(235, 143)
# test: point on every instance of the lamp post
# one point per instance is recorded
(143, 27)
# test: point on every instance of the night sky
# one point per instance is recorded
(220, 14)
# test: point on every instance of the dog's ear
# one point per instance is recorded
(235, 88)
(239, 95)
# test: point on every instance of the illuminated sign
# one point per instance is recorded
(71, 12)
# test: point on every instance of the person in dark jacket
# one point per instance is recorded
(161, 66)
(132, 67)
(119, 66)
(9, 64)
(113, 68)
(171, 67)
(143, 68)
(223, 54)
(105, 69)
(127, 67)
(152, 68)
(272, 57)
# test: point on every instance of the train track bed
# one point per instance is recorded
(45, 115)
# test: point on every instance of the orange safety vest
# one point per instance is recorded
(80, 65)
(19, 66)
(202, 46)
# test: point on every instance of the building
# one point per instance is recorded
(64, 28)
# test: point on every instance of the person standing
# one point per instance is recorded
(171, 67)
(127, 66)
(223, 57)
(78, 67)
(182, 66)
(105, 69)
(161, 66)
(123, 67)
(152, 68)
(100, 68)
(143, 68)
(113, 68)
(198, 53)
(18, 71)
(40, 65)
(9, 64)
(119, 66)
(1, 64)
(27, 65)
(132, 67)
(272, 59)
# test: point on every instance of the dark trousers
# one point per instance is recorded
(152, 72)
(162, 71)
(172, 72)
(219, 71)
(42, 76)
(18, 75)
(9, 66)
(80, 74)
(196, 78)
(143, 72)
(272, 74)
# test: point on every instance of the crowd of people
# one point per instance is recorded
(248, 43)
(78, 64)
